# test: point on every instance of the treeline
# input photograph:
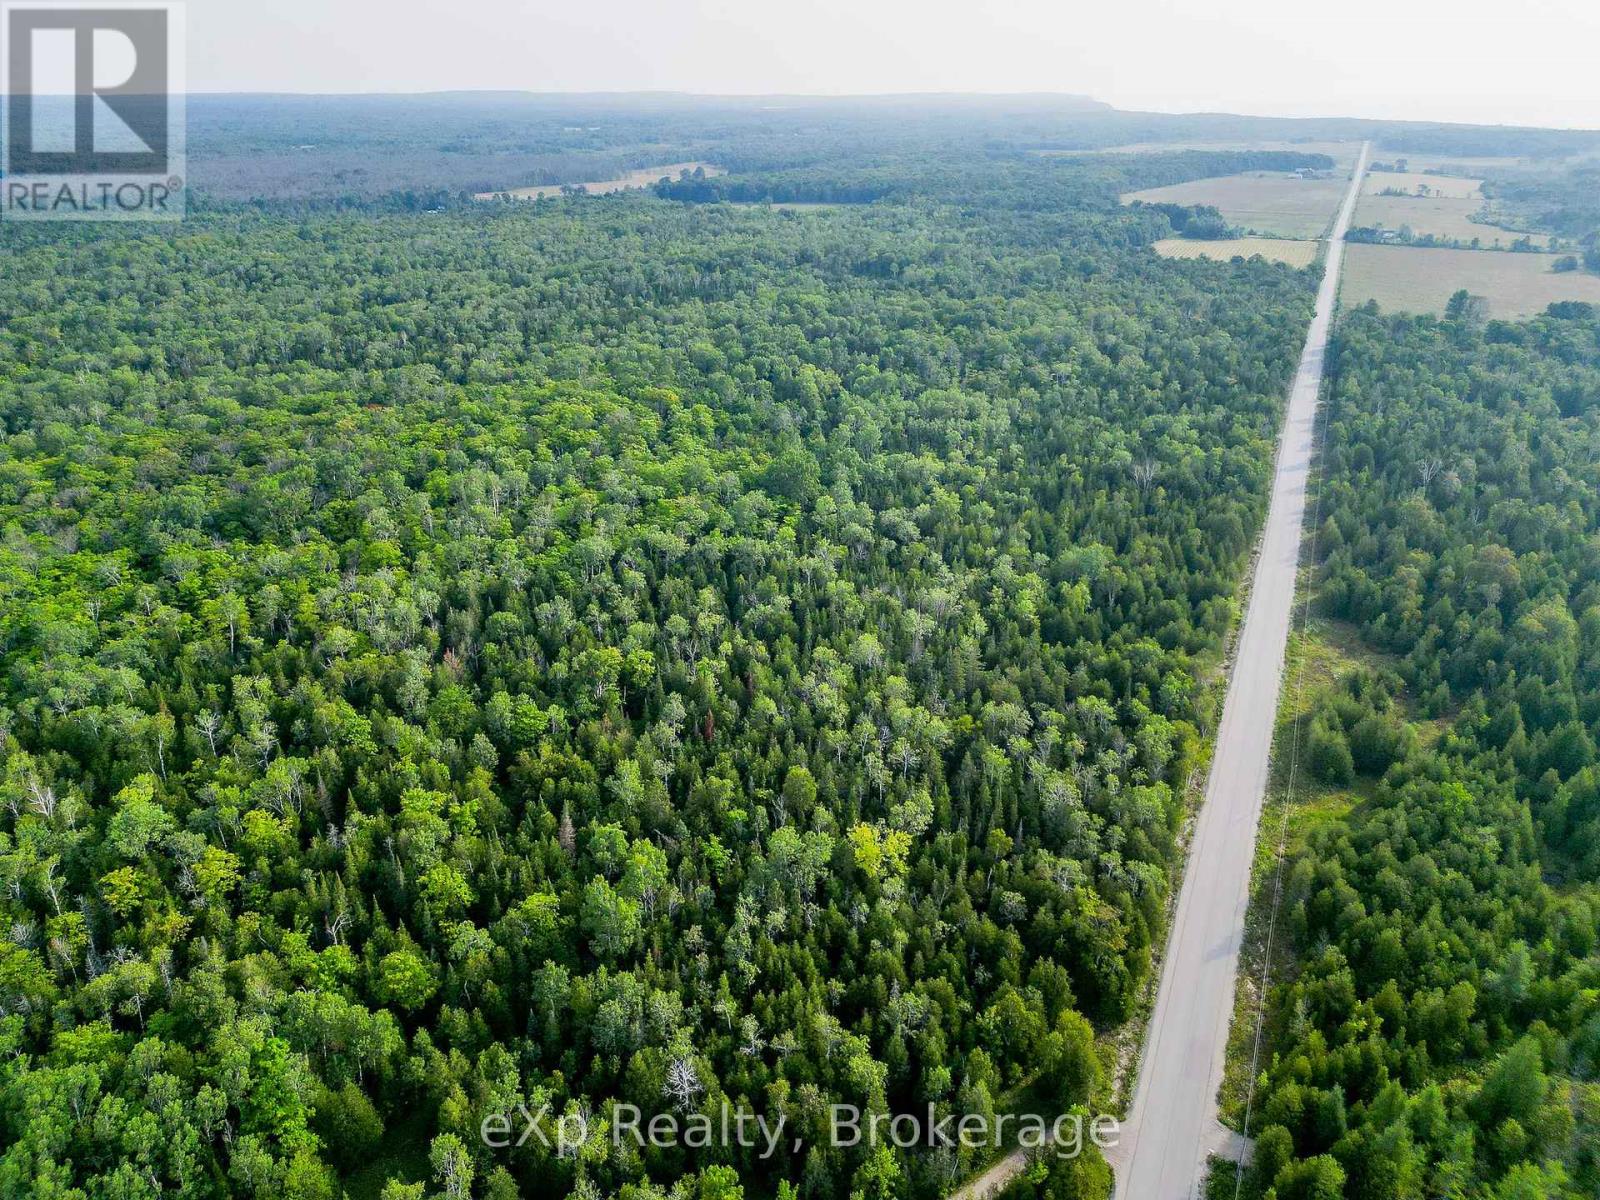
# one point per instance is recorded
(1564, 199)
(1405, 236)
(996, 180)
(1202, 221)
(788, 188)
(1442, 1034)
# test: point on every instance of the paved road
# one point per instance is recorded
(1172, 1125)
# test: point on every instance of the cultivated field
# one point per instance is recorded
(1295, 253)
(1413, 279)
(1446, 217)
(643, 177)
(1269, 203)
(1410, 182)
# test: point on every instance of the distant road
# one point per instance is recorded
(1172, 1126)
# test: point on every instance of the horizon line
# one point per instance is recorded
(1095, 105)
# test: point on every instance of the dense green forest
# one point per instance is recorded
(1442, 1036)
(603, 650)
(460, 660)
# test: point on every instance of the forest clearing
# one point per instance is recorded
(642, 178)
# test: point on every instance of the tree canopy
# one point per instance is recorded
(598, 651)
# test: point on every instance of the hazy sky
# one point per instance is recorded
(1458, 60)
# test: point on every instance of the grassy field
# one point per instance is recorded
(1411, 181)
(1412, 279)
(643, 177)
(1269, 203)
(1295, 253)
(1446, 217)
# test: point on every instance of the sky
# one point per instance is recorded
(1446, 60)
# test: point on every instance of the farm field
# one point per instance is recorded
(1416, 279)
(1268, 203)
(1378, 182)
(1296, 253)
(643, 177)
(1442, 216)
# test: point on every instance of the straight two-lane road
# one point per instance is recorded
(1172, 1126)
